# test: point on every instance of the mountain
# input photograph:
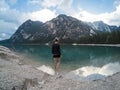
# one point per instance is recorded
(26, 31)
(64, 27)
(100, 26)
(67, 28)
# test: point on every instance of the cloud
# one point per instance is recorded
(10, 15)
(50, 3)
(42, 15)
(6, 29)
(7, 14)
(66, 6)
(8, 20)
(11, 2)
(34, 1)
(3, 36)
(3, 5)
(112, 18)
(117, 2)
(61, 5)
(34, 4)
(44, 10)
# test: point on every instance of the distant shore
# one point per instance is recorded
(74, 44)
(113, 45)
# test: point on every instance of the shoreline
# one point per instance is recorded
(74, 44)
(111, 45)
(15, 75)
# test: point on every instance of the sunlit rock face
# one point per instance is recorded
(65, 27)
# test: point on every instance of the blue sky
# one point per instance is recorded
(14, 12)
(96, 6)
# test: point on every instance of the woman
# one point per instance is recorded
(56, 54)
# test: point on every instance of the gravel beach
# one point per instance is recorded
(17, 75)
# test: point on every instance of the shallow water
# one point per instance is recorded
(73, 57)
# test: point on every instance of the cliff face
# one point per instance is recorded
(65, 27)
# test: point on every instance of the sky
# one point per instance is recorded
(14, 12)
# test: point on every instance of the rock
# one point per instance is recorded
(6, 54)
(29, 83)
(25, 77)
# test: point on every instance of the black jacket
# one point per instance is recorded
(56, 49)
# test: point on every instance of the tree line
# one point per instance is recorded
(102, 38)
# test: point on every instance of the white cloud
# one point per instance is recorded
(112, 18)
(10, 19)
(4, 36)
(42, 15)
(35, 4)
(66, 6)
(50, 3)
(34, 1)
(61, 5)
(6, 29)
(3, 5)
(117, 2)
(10, 15)
(7, 26)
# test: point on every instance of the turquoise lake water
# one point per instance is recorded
(73, 57)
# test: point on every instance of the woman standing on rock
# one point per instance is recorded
(56, 54)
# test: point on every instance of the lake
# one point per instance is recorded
(74, 57)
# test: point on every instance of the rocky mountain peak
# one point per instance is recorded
(100, 26)
(62, 16)
(63, 26)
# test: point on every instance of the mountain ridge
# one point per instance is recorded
(67, 28)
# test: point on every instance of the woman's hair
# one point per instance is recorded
(56, 39)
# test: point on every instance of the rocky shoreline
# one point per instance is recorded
(17, 75)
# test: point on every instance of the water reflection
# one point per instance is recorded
(38, 53)
(94, 73)
(88, 55)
